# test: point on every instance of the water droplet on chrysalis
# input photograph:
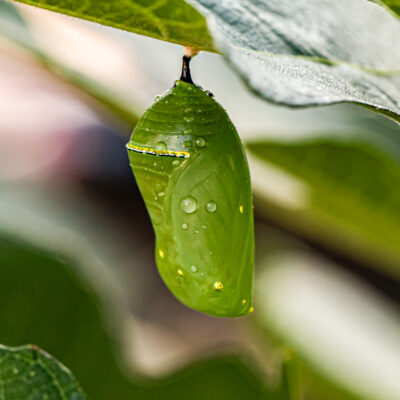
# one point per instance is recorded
(161, 194)
(161, 146)
(189, 119)
(188, 204)
(211, 206)
(188, 130)
(193, 268)
(189, 109)
(200, 142)
(184, 226)
(175, 162)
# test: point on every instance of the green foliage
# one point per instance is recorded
(392, 4)
(294, 54)
(173, 20)
(354, 199)
(43, 301)
(192, 172)
(28, 373)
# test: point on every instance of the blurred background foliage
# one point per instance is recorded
(77, 274)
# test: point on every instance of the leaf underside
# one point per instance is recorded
(173, 20)
(311, 52)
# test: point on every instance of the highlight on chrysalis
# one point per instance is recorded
(192, 172)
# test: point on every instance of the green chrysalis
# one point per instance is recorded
(192, 172)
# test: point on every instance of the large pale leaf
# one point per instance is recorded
(349, 200)
(174, 20)
(28, 373)
(311, 52)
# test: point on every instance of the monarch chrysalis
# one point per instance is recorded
(192, 172)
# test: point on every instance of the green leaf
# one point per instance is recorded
(351, 197)
(172, 20)
(28, 373)
(311, 52)
(394, 5)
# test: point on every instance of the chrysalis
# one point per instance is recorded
(192, 172)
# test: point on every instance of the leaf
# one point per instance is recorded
(173, 20)
(392, 4)
(28, 373)
(351, 201)
(311, 52)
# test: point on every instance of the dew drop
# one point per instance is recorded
(180, 273)
(204, 226)
(189, 109)
(32, 373)
(188, 130)
(161, 146)
(188, 204)
(200, 142)
(196, 231)
(155, 164)
(161, 194)
(193, 268)
(147, 129)
(189, 119)
(175, 162)
(184, 226)
(161, 253)
(211, 206)
(218, 286)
